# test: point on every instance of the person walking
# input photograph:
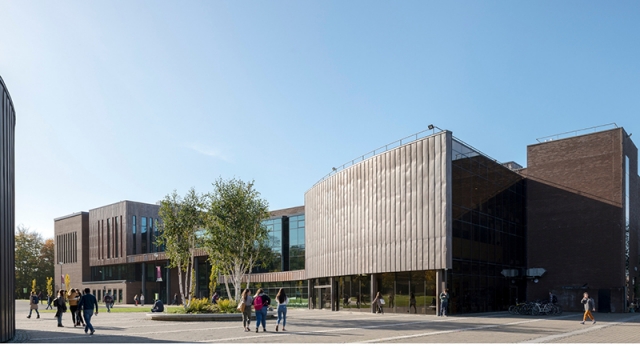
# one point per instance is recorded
(377, 304)
(73, 297)
(108, 301)
(282, 301)
(33, 304)
(391, 300)
(49, 301)
(412, 303)
(589, 306)
(141, 299)
(79, 319)
(261, 303)
(444, 302)
(247, 300)
(61, 306)
(87, 303)
(135, 299)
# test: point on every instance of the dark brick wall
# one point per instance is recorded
(78, 271)
(576, 216)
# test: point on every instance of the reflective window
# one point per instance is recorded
(296, 242)
(143, 234)
(133, 231)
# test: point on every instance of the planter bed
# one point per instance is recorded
(202, 317)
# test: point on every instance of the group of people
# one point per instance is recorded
(81, 307)
(260, 303)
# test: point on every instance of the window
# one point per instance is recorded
(143, 234)
(133, 231)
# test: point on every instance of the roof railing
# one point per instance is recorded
(575, 133)
(405, 140)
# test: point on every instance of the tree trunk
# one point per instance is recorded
(180, 285)
(226, 285)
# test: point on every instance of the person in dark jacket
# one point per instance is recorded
(158, 306)
(61, 306)
(87, 303)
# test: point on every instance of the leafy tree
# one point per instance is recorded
(213, 278)
(181, 221)
(33, 285)
(27, 266)
(67, 282)
(235, 240)
(50, 286)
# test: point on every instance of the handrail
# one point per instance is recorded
(392, 145)
(574, 132)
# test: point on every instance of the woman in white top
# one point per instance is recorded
(282, 301)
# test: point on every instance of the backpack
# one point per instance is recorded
(55, 302)
(266, 300)
(257, 303)
(35, 299)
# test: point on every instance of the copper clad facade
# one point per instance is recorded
(7, 215)
(389, 213)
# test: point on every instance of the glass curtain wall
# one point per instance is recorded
(488, 233)
(296, 242)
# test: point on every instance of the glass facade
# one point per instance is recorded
(488, 233)
(296, 242)
(143, 235)
(133, 232)
(274, 227)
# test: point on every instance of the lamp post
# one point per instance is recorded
(155, 268)
(61, 276)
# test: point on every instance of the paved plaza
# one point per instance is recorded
(314, 326)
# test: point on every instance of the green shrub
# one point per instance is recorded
(227, 306)
(200, 306)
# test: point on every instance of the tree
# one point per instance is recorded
(235, 238)
(50, 286)
(67, 282)
(181, 221)
(27, 265)
(213, 278)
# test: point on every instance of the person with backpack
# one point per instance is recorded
(33, 304)
(87, 303)
(108, 301)
(261, 303)
(60, 305)
(444, 302)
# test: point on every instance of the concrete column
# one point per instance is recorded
(310, 292)
(334, 293)
(144, 281)
(168, 282)
(440, 286)
(374, 290)
(195, 264)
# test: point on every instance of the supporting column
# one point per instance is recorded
(195, 265)
(440, 286)
(310, 283)
(168, 282)
(374, 291)
(334, 293)
(144, 281)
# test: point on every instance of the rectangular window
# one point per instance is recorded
(151, 240)
(115, 235)
(143, 234)
(108, 238)
(133, 231)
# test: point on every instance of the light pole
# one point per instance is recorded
(61, 276)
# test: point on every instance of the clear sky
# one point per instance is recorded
(129, 100)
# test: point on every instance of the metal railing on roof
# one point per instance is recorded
(382, 149)
(576, 132)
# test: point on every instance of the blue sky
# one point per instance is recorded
(130, 100)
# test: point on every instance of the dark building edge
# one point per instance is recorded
(7, 216)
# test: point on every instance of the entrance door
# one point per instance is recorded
(604, 299)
